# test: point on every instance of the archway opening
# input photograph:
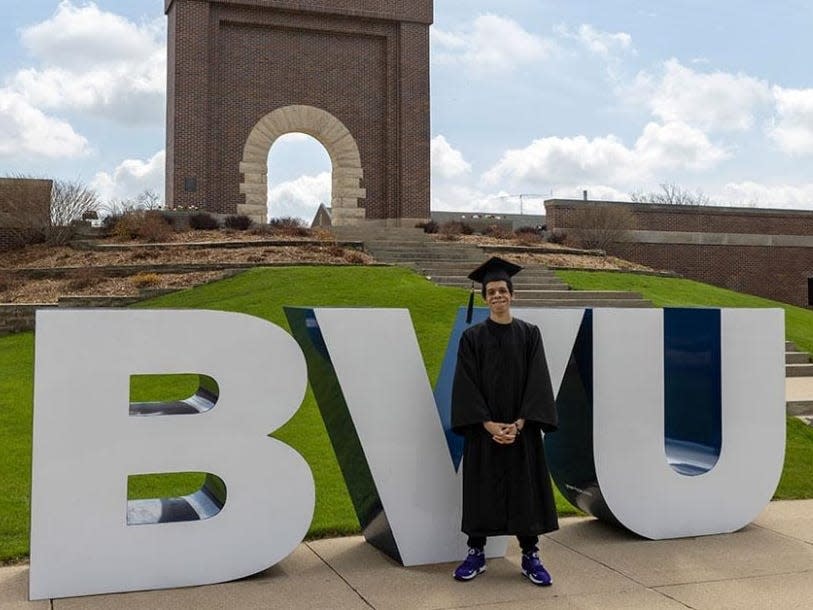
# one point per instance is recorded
(347, 173)
(299, 177)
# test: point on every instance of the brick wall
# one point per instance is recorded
(702, 219)
(25, 209)
(19, 318)
(366, 62)
(763, 252)
(15, 318)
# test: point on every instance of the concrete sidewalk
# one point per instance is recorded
(769, 564)
(799, 395)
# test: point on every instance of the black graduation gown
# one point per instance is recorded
(501, 376)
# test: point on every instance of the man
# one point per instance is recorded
(501, 400)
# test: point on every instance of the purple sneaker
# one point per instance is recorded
(534, 570)
(474, 564)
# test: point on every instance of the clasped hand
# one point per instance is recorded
(503, 434)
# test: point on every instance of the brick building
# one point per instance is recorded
(763, 252)
(354, 74)
(25, 210)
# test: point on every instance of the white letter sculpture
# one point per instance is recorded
(87, 441)
(671, 424)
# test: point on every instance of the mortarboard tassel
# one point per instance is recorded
(470, 310)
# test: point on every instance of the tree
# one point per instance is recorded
(671, 194)
(598, 225)
(70, 199)
(146, 200)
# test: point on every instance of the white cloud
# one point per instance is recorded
(556, 159)
(447, 162)
(77, 36)
(601, 43)
(97, 63)
(595, 192)
(462, 198)
(711, 101)
(450, 197)
(793, 127)
(755, 194)
(26, 131)
(605, 160)
(676, 145)
(132, 177)
(300, 197)
(489, 44)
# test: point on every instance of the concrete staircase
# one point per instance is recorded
(448, 263)
(798, 383)
(797, 363)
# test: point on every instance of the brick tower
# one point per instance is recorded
(354, 74)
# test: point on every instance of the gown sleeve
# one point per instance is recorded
(469, 407)
(538, 404)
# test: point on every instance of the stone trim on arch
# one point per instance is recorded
(331, 133)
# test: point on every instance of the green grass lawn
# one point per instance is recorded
(262, 293)
(16, 391)
(671, 292)
(797, 474)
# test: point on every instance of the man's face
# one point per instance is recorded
(498, 297)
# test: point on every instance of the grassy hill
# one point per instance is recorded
(262, 293)
(673, 292)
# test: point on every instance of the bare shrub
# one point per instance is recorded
(353, 257)
(428, 227)
(455, 227)
(288, 226)
(261, 230)
(321, 233)
(238, 223)
(529, 239)
(149, 226)
(202, 221)
(125, 226)
(596, 226)
(498, 231)
(336, 251)
(145, 280)
(155, 228)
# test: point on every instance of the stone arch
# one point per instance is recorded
(331, 133)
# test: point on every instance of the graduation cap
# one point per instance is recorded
(493, 270)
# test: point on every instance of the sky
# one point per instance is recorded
(538, 98)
